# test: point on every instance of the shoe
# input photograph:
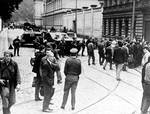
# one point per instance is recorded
(62, 107)
(93, 63)
(124, 69)
(59, 82)
(89, 64)
(38, 99)
(104, 68)
(118, 79)
(47, 110)
(72, 108)
(51, 103)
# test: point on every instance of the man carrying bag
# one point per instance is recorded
(9, 81)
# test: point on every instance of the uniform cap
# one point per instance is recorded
(73, 50)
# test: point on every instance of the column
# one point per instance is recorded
(84, 8)
(92, 17)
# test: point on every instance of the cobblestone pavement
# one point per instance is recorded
(98, 91)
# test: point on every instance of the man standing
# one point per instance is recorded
(146, 87)
(146, 55)
(16, 44)
(48, 66)
(83, 46)
(90, 50)
(101, 52)
(72, 70)
(109, 55)
(9, 81)
(36, 69)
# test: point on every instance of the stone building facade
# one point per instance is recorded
(61, 13)
(118, 18)
(38, 11)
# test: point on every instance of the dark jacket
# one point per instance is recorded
(72, 67)
(101, 49)
(109, 54)
(119, 56)
(90, 49)
(47, 70)
(38, 56)
(16, 43)
(10, 72)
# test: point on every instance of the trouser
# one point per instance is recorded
(58, 74)
(6, 111)
(106, 62)
(62, 52)
(83, 48)
(47, 96)
(118, 70)
(37, 86)
(6, 96)
(101, 59)
(16, 49)
(93, 59)
(145, 99)
(37, 90)
(69, 85)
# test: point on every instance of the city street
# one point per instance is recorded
(98, 92)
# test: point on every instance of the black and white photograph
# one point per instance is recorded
(75, 56)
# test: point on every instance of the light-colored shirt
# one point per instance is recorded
(145, 58)
(147, 73)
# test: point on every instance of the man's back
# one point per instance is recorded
(72, 66)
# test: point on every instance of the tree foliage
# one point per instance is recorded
(7, 7)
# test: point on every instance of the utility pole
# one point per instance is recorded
(76, 18)
(1, 24)
(133, 21)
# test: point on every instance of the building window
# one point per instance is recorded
(126, 27)
(104, 26)
(114, 27)
(109, 26)
(110, 2)
(120, 27)
(114, 2)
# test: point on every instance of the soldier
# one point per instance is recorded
(72, 70)
(62, 46)
(16, 44)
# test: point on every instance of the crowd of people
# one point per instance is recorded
(122, 53)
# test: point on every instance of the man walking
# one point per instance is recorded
(9, 81)
(72, 70)
(119, 58)
(16, 44)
